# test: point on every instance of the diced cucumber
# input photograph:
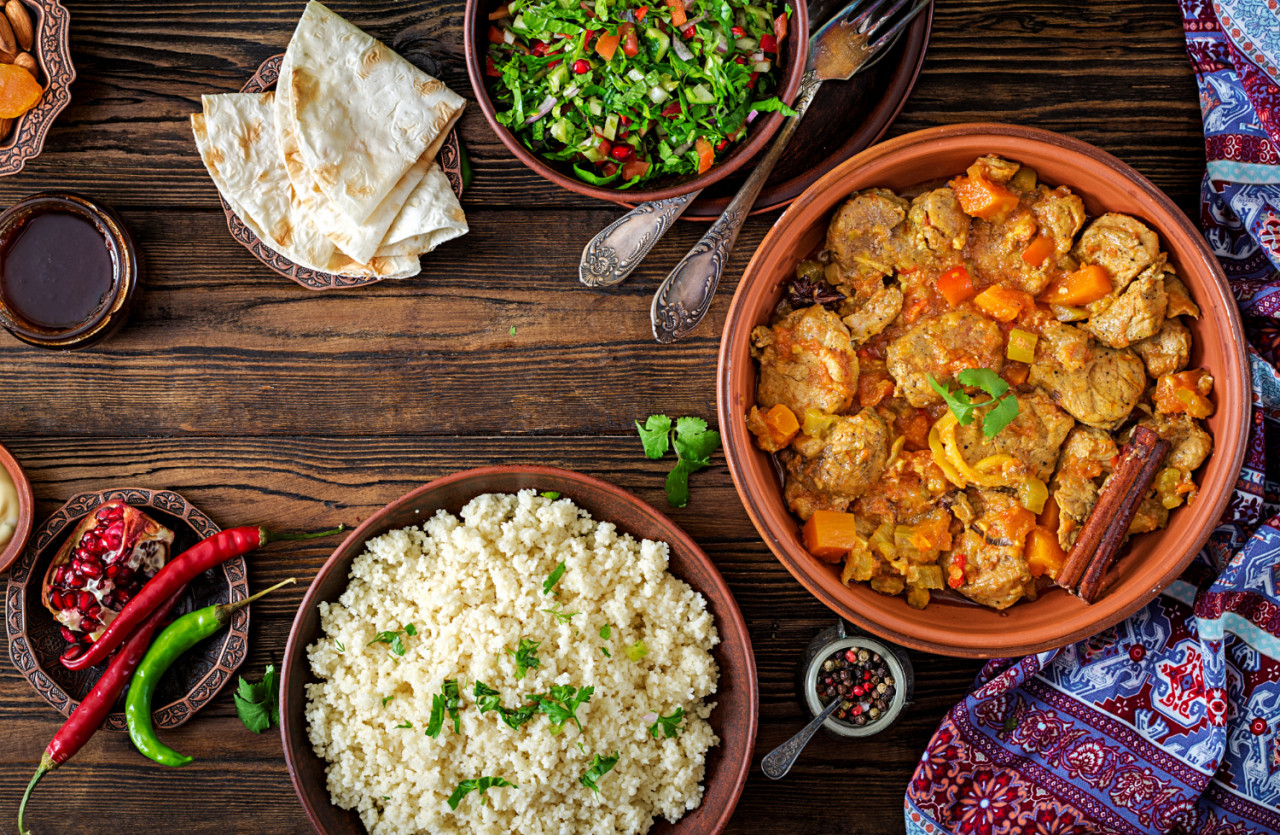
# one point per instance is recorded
(558, 76)
(635, 74)
(657, 95)
(611, 127)
(560, 130)
(659, 42)
(594, 106)
(699, 94)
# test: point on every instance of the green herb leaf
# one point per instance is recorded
(393, 638)
(957, 401)
(258, 704)
(550, 494)
(488, 699)
(526, 656)
(694, 442)
(410, 630)
(482, 784)
(669, 725)
(341, 648)
(606, 652)
(1001, 416)
(606, 631)
(562, 617)
(513, 330)
(678, 484)
(553, 578)
(655, 435)
(561, 704)
(1003, 403)
(405, 724)
(637, 651)
(600, 766)
(436, 721)
(387, 700)
(453, 702)
(985, 379)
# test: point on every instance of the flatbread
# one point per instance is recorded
(363, 116)
(431, 216)
(237, 142)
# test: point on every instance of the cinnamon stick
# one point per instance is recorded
(1105, 530)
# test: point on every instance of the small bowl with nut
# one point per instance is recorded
(35, 76)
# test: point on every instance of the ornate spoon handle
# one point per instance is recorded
(778, 762)
(685, 295)
(610, 256)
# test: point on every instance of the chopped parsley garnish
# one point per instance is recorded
(637, 651)
(561, 704)
(405, 724)
(526, 656)
(392, 637)
(448, 700)
(694, 444)
(668, 725)
(605, 633)
(562, 617)
(550, 494)
(481, 784)
(488, 699)
(600, 766)
(553, 578)
(386, 700)
(258, 704)
(1003, 402)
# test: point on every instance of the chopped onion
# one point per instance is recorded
(680, 48)
(752, 116)
(543, 109)
(761, 66)
(649, 718)
(722, 47)
(756, 56)
(694, 21)
(508, 36)
(571, 91)
(679, 152)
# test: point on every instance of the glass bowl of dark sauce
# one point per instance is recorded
(68, 271)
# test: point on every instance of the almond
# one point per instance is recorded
(8, 43)
(20, 21)
(6, 57)
(28, 62)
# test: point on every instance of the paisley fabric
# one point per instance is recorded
(1170, 721)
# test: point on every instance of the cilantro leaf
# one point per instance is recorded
(553, 578)
(410, 630)
(405, 724)
(561, 704)
(957, 401)
(606, 631)
(393, 638)
(1001, 416)
(1003, 403)
(670, 725)
(482, 784)
(654, 435)
(436, 721)
(678, 484)
(487, 698)
(562, 617)
(526, 656)
(341, 647)
(453, 701)
(599, 767)
(985, 379)
(258, 704)
(386, 700)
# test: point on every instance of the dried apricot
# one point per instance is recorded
(19, 91)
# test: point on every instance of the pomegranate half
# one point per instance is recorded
(101, 566)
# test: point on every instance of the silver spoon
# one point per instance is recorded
(612, 255)
(778, 762)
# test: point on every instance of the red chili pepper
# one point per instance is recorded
(751, 82)
(93, 709)
(769, 43)
(176, 573)
(724, 143)
(738, 32)
(626, 120)
(641, 12)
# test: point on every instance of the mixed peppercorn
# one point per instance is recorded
(861, 679)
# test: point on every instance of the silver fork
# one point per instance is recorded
(859, 34)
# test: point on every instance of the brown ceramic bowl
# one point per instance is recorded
(35, 642)
(737, 701)
(51, 26)
(1151, 561)
(475, 42)
(26, 509)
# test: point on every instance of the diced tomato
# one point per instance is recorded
(539, 48)
(630, 41)
(740, 59)
(491, 69)
(769, 43)
(605, 148)
(590, 33)
(722, 144)
(609, 169)
(917, 308)
(640, 13)
(678, 17)
(780, 27)
(495, 35)
(635, 168)
(607, 46)
(955, 571)
(706, 155)
(751, 82)
(552, 65)
(671, 110)
(624, 119)
(955, 285)
(738, 32)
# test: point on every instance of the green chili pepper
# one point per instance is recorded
(180, 636)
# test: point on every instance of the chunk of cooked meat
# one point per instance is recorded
(995, 572)
(1034, 437)
(867, 234)
(1180, 301)
(876, 314)
(911, 486)
(806, 360)
(1189, 443)
(941, 347)
(1086, 456)
(998, 169)
(937, 222)
(1121, 244)
(995, 253)
(1060, 215)
(852, 458)
(1098, 385)
(1167, 351)
(1136, 314)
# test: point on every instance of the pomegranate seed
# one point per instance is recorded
(94, 610)
(623, 153)
(84, 638)
(75, 581)
(123, 574)
(69, 636)
(122, 597)
(85, 600)
(738, 32)
(72, 652)
(539, 48)
(114, 535)
(89, 624)
(581, 66)
(91, 569)
(689, 32)
(60, 576)
(751, 82)
(104, 512)
(555, 63)
(113, 570)
(55, 600)
(741, 59)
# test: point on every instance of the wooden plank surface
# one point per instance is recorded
(263, 402)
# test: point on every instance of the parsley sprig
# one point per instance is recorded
(694, 444)
(668, 725)
(488, 699)
(599, 767)
(258, 704)
(526, 656)
(448, 700)
(549, 584)
(393, 638)
(1003, 403)
(561, 704)
(480, 784)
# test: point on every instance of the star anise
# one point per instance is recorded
(806, 292)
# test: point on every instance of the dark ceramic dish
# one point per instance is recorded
(35, 643)
(450, 159)
(114, 309)
(734, 718)
(26, 509)
(795, 53)
(52, 27)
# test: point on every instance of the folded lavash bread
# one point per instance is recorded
(237, 142)
(418, 214)
(361, 117)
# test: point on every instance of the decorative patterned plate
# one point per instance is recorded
(52, 24)
(450, 159)
(35, 644)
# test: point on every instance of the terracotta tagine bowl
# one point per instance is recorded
(1149, 562)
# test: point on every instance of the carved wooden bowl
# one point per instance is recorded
(35, 643)
(52, 26)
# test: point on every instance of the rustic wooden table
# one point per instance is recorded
(266, 403)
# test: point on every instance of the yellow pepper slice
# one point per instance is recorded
(1022, 346)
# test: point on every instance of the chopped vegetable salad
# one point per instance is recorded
(632, 90)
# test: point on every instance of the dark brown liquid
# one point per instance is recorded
(56, 270)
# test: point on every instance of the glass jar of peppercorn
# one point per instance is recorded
(871, 679)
